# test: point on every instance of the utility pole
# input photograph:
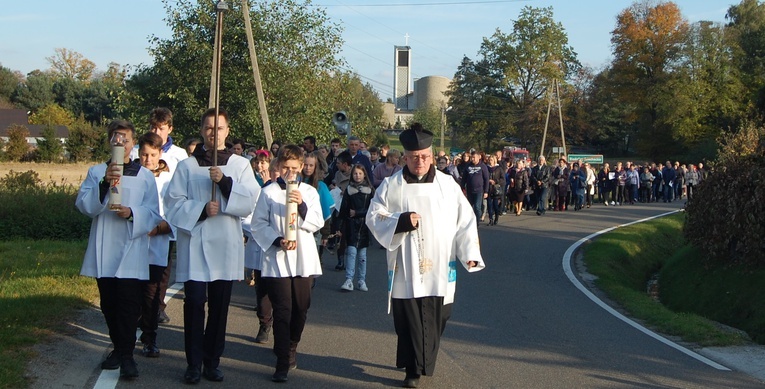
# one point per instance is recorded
(553, 92)
(256, 75)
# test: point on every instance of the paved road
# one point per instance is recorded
(519, 323)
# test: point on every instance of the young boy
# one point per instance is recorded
(161, 123)
(287, 267)
(150, 157)
(118, 245)
(210, 250)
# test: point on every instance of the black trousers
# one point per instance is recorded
(264, 309)
(290, 298)
(419, 325)
(121, 306)
(205, 344)
(150, 302)
(165, 281)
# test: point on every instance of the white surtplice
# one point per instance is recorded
(211, 249)
(118, 247)
(268, 225)
(423, 262)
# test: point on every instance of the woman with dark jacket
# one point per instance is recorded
(560, 181)
(519, 185)
(353, 228)
(496, 185)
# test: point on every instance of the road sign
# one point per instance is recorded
(588, 158)
(557, 149)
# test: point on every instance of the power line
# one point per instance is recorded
(423, 4)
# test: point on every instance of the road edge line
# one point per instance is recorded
(568, 257)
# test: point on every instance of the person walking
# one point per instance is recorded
(427, 226)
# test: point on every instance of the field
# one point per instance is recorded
(70, 173)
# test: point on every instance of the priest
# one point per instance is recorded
(427, 225)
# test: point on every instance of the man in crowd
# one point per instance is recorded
(540, 180)
(309, 144)
(426, 224)
(475, 182)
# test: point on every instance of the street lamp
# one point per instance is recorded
(443, 124)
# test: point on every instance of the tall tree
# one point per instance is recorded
(9, 80)
(519, 67)
(296, 45)
(647, 44)
(71, 64)
(747, 28)
(35, 92)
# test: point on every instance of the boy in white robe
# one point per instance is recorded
(425, 222)
(118, 245)
(150, 157)
(210, 252)
(288, 267)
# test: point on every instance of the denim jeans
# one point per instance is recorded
(668, 193)
(351, 253)
(476, 200)
(542, 194)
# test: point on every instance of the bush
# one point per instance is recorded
(34, 210)
(725, 218)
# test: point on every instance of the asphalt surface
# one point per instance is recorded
(519, 323)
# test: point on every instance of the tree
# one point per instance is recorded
(17, 147)
(296, 46)
(35, 92)
(430, 118)
(9, 80)
(747, 28)
(70, 64)
(49, 148)
(512, 76)
(647, 45)
(52, 114)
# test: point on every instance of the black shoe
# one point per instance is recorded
(212, 374)
(279, 376)
(193, 374)
(150, 350)
(263, 334)
(128, 368)
(112, 362)
(163, 318)
(411, 381)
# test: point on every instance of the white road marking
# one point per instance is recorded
(567, 258)
(108, 379)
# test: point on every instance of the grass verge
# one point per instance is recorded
(625, 259)
(40, 288)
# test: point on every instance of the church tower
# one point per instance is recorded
(402, 78)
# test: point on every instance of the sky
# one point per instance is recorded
(440, 32)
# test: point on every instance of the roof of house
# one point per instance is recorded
(9, 117)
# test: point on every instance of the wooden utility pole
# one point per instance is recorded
(553, 90)
(256, 75)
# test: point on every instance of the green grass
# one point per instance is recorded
(625, 259)
(40, 288)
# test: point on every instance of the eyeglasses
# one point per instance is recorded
(421, 157)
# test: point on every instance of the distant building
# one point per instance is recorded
(429, 91)
(9, 117)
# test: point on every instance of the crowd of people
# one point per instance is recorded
(269, 215)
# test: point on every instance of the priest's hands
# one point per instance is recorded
(212, 207)
(415, 219)
(288, 244)
(216, 174)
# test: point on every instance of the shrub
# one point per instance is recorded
(725, 218)
(33, 210)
